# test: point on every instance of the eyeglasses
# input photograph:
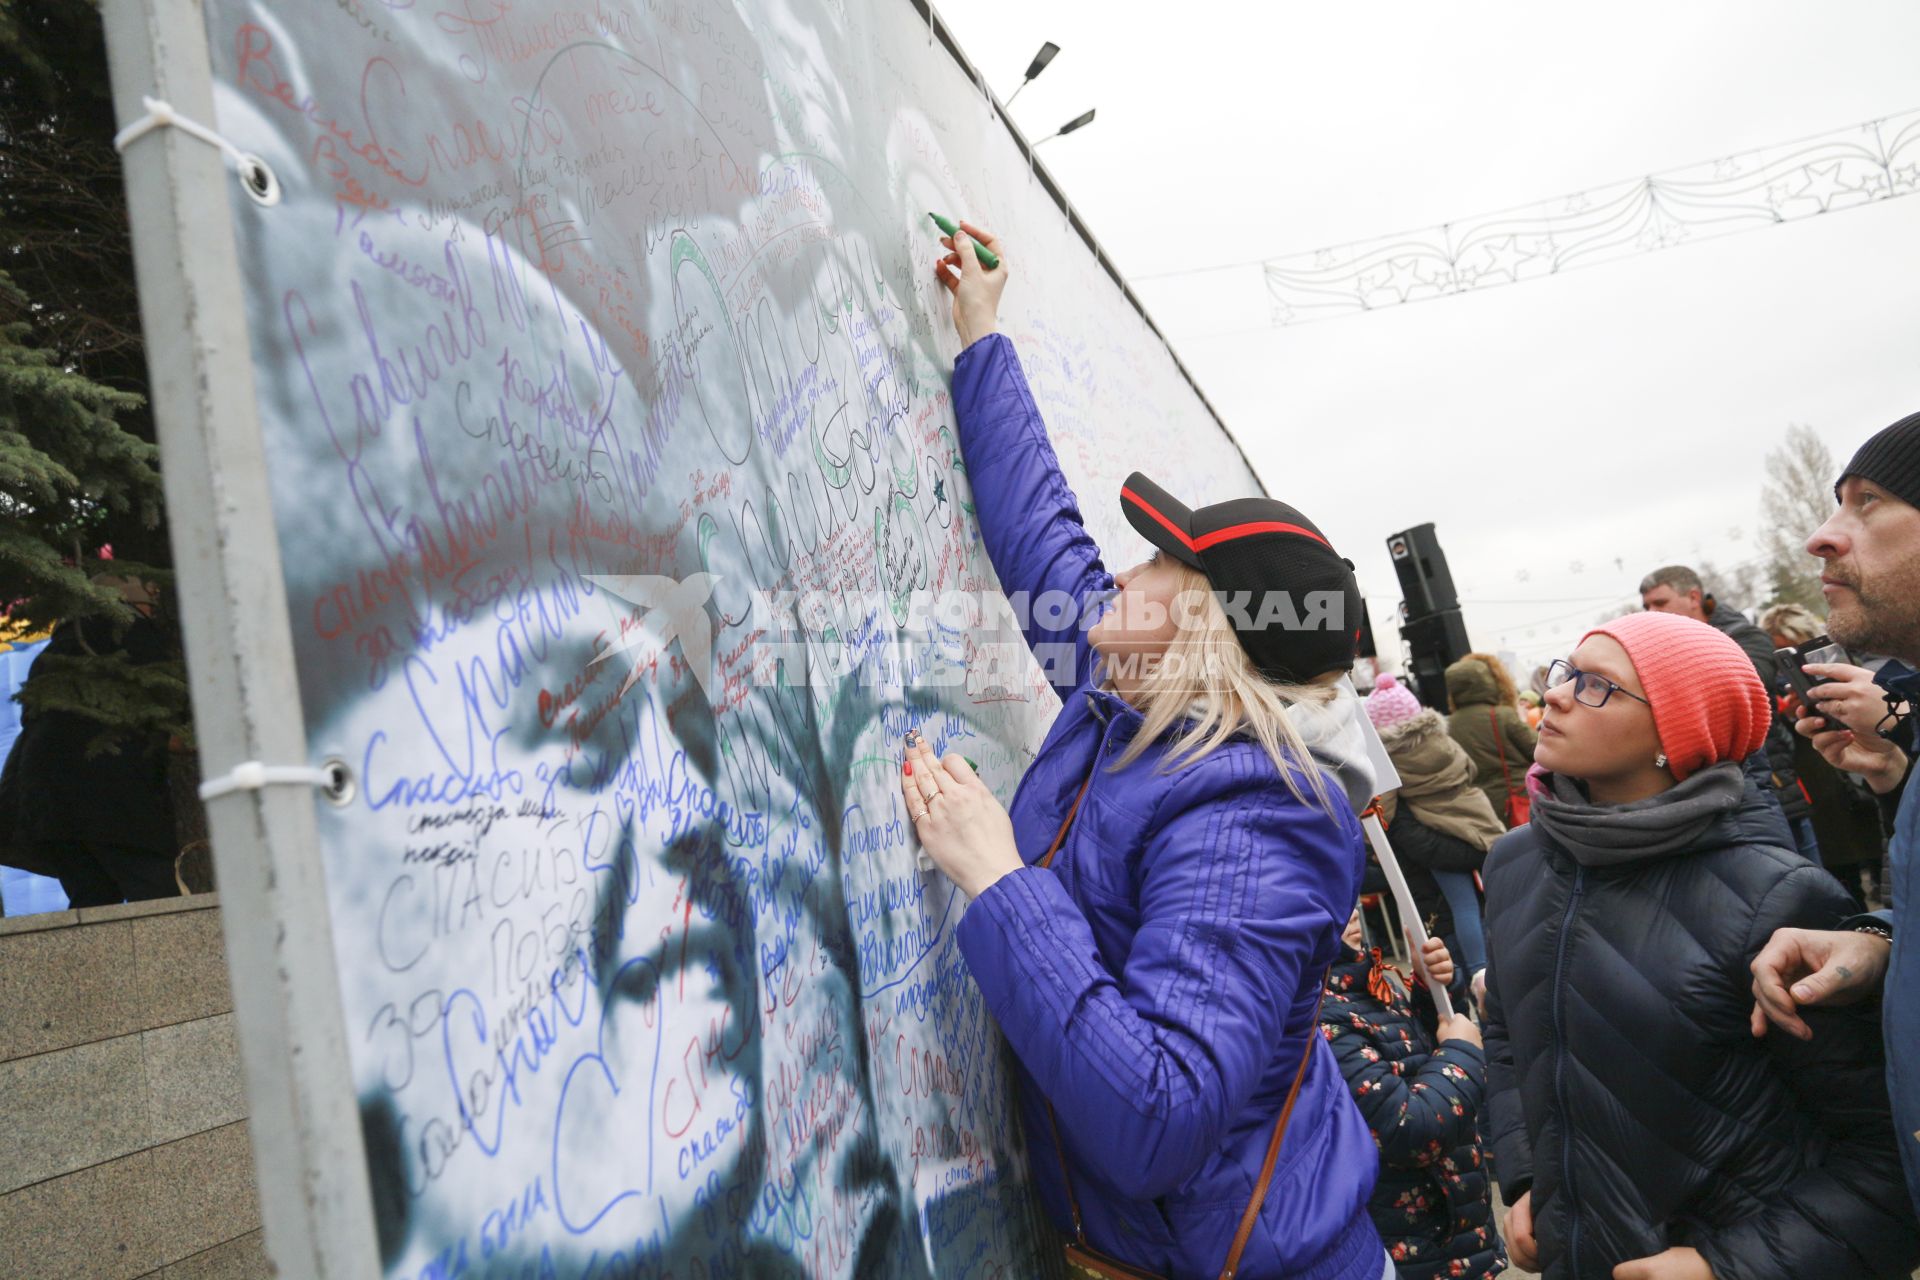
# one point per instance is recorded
(1588, 689)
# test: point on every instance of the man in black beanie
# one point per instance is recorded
(1871, 580)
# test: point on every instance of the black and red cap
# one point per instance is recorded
(1291, 598)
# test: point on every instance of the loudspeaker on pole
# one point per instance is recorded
(1425, 580)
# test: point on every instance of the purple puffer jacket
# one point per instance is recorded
(1158, 981)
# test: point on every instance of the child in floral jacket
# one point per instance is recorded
(1433, 1204)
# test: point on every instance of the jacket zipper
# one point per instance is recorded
(1560, 1073)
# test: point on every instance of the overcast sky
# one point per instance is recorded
(1622, 412)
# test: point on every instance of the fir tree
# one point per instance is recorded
(78, 466)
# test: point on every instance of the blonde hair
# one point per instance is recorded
(1794, 623)
(1502, 679)
(1206, 679)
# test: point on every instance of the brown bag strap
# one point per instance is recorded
(1061, 836)
(1500, 745)
(1252, 1214)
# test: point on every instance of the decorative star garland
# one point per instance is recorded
(1844, 169)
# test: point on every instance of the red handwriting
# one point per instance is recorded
(257, 71)
(552, 705)
(533, 130)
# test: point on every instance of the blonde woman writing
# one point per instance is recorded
(1152, 921)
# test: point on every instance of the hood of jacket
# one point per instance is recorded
(1437, 782)
(1689, 816)
(1426, 756)
(1337, 743)
(1469, 683)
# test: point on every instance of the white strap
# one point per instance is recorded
(160, 114)
(252, 776)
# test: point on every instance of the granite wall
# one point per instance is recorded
(123, 1111)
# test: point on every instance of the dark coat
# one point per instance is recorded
(1433, 1204)
(115, 797)
(1752, 641)
(1780, 768)
(1627, 1092)
(1422, 851)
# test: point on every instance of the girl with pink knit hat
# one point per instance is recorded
(1640, 1131)
(1439, 822)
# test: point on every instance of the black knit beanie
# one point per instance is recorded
(1890, 460)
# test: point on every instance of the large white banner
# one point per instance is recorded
(610, 328)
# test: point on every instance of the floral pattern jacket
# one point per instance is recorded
(1433, 1204)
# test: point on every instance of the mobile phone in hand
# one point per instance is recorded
(1793, 661)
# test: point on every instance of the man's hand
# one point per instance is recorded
(1853, 706)
(1522, 1249)
(1813, 967)
(1871, 756)
(1849, 697)
(1674, 1264)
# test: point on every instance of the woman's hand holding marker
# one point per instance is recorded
(948, 226)
(975, 287)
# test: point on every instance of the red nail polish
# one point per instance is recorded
(909, 768)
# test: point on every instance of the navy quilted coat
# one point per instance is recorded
(1629, 1096)
(1158, 982)
(1434, 1202)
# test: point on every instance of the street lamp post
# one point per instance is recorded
(1034, 68)
(1078, 122)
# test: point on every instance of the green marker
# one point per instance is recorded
(988, 258)
(970, 764)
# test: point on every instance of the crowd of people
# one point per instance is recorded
(1691, 1055)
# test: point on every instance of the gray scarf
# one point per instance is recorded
(1607, 835)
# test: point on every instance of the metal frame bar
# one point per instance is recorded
(309, 1157)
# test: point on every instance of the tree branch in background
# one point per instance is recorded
(1797, 499)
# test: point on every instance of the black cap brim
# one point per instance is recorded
(1160, 518)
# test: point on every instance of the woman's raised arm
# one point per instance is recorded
(1031, 524)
